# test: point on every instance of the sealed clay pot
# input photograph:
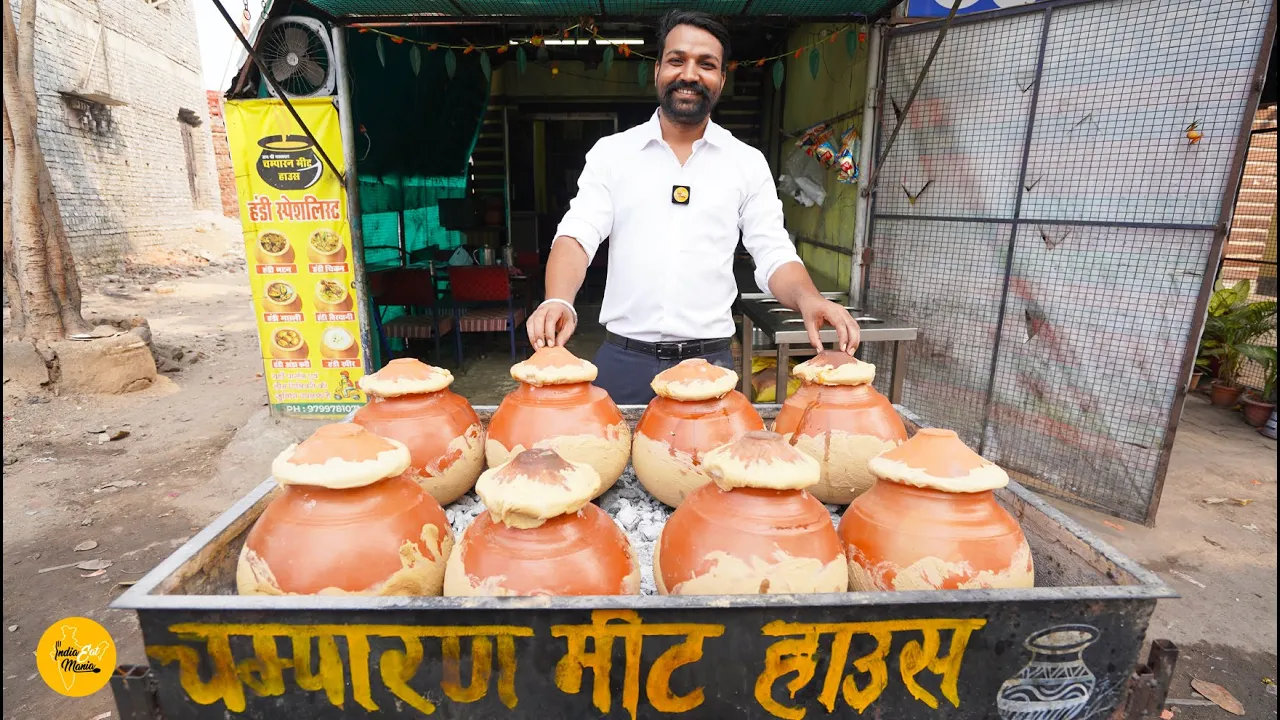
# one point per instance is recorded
(410, 401)
(753, 529)
(541, 535)
(557, 407)
(696, 411)
(346, 522)
(931, 522)
(838, 418)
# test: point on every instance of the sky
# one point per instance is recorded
(219, 48)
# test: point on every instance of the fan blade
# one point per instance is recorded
(281, 70)
(312, 71)
(297, 40)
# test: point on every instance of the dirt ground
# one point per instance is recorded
(201, 438)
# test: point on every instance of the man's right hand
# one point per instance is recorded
(552, 324)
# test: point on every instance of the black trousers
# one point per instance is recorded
(626, 374)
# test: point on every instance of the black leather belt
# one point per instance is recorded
(682, 350)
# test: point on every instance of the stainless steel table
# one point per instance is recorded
(782, 328)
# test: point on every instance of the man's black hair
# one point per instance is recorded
(697, 19)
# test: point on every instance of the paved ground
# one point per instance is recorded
(202, 438)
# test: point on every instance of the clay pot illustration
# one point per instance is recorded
(753, 529)
(541, 535)
(346, 522)
(1056, 684)
(696, 411)
(287, 343)
(557, 407)
(273, 248)
(325, 246)
(288, 162)
(280, 297)
(838, 418)
(931, 522)
(338, 343)
(332, 295)
(410, 402)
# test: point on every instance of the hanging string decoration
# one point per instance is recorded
(854, 36)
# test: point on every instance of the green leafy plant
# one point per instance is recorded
(1232, 330)
(1225, 299)
(1264, 355)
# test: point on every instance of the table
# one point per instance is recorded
(784, 328)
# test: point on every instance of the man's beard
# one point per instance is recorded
(686, 111)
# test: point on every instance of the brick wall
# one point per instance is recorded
(128, 188)
(222, 155)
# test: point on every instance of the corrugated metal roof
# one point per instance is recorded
(602, 10)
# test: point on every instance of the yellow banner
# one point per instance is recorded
(298, 246)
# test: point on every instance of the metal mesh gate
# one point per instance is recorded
(1046, 216)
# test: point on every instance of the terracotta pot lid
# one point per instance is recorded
(553, 366)
(761, 459)
(340, 456)
(937, 459)
(832, 367)
(535, 486)
(694, 379)
(406, 376)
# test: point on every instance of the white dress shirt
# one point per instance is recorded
(671, 266)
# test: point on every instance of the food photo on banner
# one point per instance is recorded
(298, 245)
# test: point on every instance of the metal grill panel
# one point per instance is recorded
(1090, 358)
(1123, 83)
(965, 131)
(1055, 261)
(947, 277)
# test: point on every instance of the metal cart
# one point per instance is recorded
(1068, 648)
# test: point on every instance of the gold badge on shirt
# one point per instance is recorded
(680, 194)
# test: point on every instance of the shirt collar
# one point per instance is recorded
(652, 132)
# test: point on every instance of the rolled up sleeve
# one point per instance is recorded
(763, 232)
(590, 216)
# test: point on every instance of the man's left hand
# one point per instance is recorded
(818, 311)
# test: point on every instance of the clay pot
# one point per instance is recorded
(288, 343)
(410, 401)
(332, 295)
(1224, 396)
(753, 529)
(696, 411)
(273, 248)
(541, 535)
(838, 418)
(557, 407)
(338, 343)
(1195, 381)
(931, 522)
(346, 522)
(280, 297)
(325, 246)
(1256, 412)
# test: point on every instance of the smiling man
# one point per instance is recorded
(674, 196)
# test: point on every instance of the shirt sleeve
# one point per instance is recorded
(763, 233)
(590, 216)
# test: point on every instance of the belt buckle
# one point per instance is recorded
(670, 350)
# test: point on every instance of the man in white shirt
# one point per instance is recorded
(672, 196)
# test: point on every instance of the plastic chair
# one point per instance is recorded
(483, 302)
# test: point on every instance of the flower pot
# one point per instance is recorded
(1256, 412)
(839, 419)
(931, 522)
(410, 402)
(557, 407)
(541, 535)
(1195, 381)
(1224, 396)
(346, 523)
(754, 529)
(696, 411)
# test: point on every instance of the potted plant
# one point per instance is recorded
(1230, 337)
(1224, 299)
(1258, 408)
